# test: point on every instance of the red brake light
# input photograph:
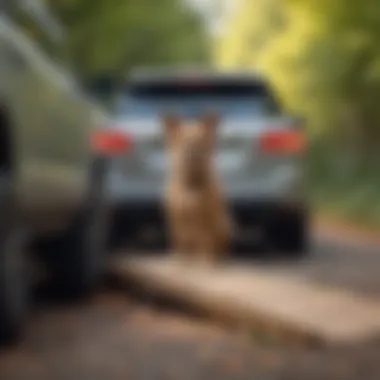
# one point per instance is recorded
(111, 143)
(283, 142)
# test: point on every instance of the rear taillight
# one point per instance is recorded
(111, 143)
(283, 142)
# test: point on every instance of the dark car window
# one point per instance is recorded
(230, 99)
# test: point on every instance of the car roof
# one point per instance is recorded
(168, 74)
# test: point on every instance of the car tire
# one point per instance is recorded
(14, 270)
(290, 235)
(78, 258)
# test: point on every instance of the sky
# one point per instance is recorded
(216, 19)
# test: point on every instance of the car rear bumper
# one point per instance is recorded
(129, 217)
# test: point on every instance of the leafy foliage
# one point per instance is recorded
(323, 57)
(113, 36)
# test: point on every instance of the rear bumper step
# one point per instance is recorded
(133, 214)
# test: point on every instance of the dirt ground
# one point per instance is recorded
(112, 337)
(115, 337)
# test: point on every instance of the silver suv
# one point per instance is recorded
(259, 156)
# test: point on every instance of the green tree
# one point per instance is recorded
(322, 56)
(116, 35)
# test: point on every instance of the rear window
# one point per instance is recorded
(232, 99)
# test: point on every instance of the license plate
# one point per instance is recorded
(224, 161)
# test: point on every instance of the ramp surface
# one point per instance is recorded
(276, 304)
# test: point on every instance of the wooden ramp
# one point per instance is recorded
(276, 306)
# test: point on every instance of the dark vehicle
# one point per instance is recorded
(51, 180)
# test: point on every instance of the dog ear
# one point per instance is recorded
(171, 123)
(210, 123)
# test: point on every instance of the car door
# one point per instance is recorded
(24, 90)
(71, 125)
(51, 123)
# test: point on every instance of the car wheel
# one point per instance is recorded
(77, 259)
(291, 236)
(14, 271)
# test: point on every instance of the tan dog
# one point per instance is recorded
(198, 220)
